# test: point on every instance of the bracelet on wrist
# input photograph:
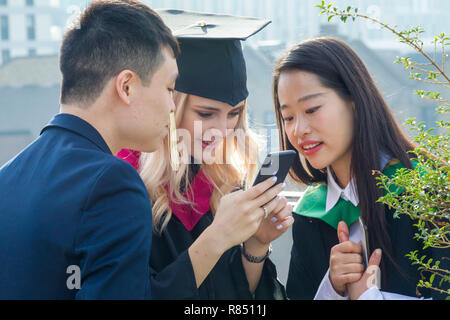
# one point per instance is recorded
(254, 259)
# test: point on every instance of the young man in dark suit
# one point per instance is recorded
(75, 221)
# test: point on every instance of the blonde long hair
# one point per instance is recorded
(237, 168)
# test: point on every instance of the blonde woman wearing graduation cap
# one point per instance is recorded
(210, 242)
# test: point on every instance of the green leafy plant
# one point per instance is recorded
(423, 193)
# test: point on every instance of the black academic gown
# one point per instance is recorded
(172, 274)
(310, 256)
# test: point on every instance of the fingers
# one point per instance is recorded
(282, 211)
(348, 258)
(276, 205)
(346, 263)
(279, 211)
(285, 223)
(342, 231)
(372, 273)
(350, 268)
(344, 279)
(267, 196)
(260, 188)
(347, 247)
(345, 270)
(375, 258)
(283, 219)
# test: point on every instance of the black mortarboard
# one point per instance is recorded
(211, 63)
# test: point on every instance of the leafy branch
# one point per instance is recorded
(411, 37)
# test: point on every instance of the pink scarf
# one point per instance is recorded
(130, 156)
(199, 193)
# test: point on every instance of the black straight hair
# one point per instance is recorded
(111, 36)
(338, 67)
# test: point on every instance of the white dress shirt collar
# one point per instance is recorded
(349, 193)
(334, 192)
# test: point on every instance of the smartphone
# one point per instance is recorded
(364, 241)
(366, 252)
(276, 164)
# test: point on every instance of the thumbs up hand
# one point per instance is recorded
(345, 262)
(343, 232)
(369, 278)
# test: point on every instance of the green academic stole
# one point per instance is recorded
(313, 202)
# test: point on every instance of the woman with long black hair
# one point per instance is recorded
(331, 113)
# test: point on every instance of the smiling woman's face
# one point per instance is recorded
(317, 121)
(208, 122)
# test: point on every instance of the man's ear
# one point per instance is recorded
(124, 83)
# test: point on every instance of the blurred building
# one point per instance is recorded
(294, 20)
(29, 97)
(30, 28)
(33, 29)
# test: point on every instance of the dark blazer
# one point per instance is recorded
(310, 256)
(68, 207)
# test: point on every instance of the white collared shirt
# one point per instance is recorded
(326, 290)
(334, 192)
